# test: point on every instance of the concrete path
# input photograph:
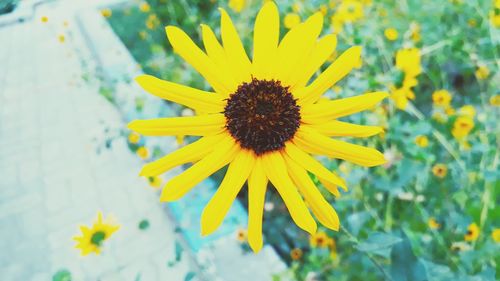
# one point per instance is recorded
(55, 172)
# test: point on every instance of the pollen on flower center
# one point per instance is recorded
(262, 115)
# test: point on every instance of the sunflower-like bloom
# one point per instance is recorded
(92, 238)
(263, 120)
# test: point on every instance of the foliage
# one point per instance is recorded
(405, 220)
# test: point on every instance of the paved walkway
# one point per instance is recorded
(55, 172)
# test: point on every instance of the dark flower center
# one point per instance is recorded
(97, 238)
(262, 115)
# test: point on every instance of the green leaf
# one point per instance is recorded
(190, 275)
(379, 243)
(62, 275)
(178, 251)
(404, 264)
(144, 224)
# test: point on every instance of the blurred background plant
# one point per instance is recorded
(429, 213)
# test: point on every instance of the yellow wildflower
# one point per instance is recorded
(415, 32)
(241, 235)
(61, 38)
(134, 137)
(350, 11)
(291, 20)
(440, 170)
(320, 240)
(422, 141)
(237, 5)
(144, 7)
(467, 110)
(106, 13)
(472, 232)
(142, 152)
(495, 100)
(441, 98)
(408, 61)
(296, 254)
(391, 34)
(482, 72)
(155, 181)
(462, 127)
(495, 235)
(92, 238)
(44, 19)
(433, 224)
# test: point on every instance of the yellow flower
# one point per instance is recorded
(495, 100)
(472, 232)
(433, 224)
(441, 98)
(296, 254)
(467, 110)
(106, 13)
(462, 127)
(152, 21)
(142, 152)
(449, 110)
(241, 235)
(440, 170)
(482, 72)
(422, 141)
(92, 238)
(472, 22)
(350, 11)
(44, 19)
(320, 240)
(155, 181)
(291, 20)
(237, 5)
(415, 32)
(61, 38)
(261, 119)
(144, 7)
(495, 235)
(495, 17)
(391, 34)
(408, 61)
(134, 138)
(401, 96)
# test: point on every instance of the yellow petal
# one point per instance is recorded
(322, 50)
(275, 168)
(334, 73)
(330, 186)
(190, 97)
(219, 205)
(316, 143)
(185, 47)
(236, 54)
(189, 153)
(328, 110)
(320, 207)
(218, 56)
(336, 128)
(181, 184)
(296, 45)
(266, 38)
(257, 185)
(307, 162)
(202, 125)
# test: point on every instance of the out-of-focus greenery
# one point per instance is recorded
(430, 212)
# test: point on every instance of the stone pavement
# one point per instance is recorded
(55, 172)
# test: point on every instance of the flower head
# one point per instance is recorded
(433, 224)
(462, 126)
(237, 5)
(482, 72)
(144, 7)
(142, 152)
(472, 232)
(134, 138)
(422, 141)
(106, 13)
(241, 235)
(440, 170)
(92, 238)
(495, 100)
(44, 19)
(495, 235)
(262, 119)
(155, 181)
(320, 240)
(296, 254)
(441, 98)
(391, 34)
